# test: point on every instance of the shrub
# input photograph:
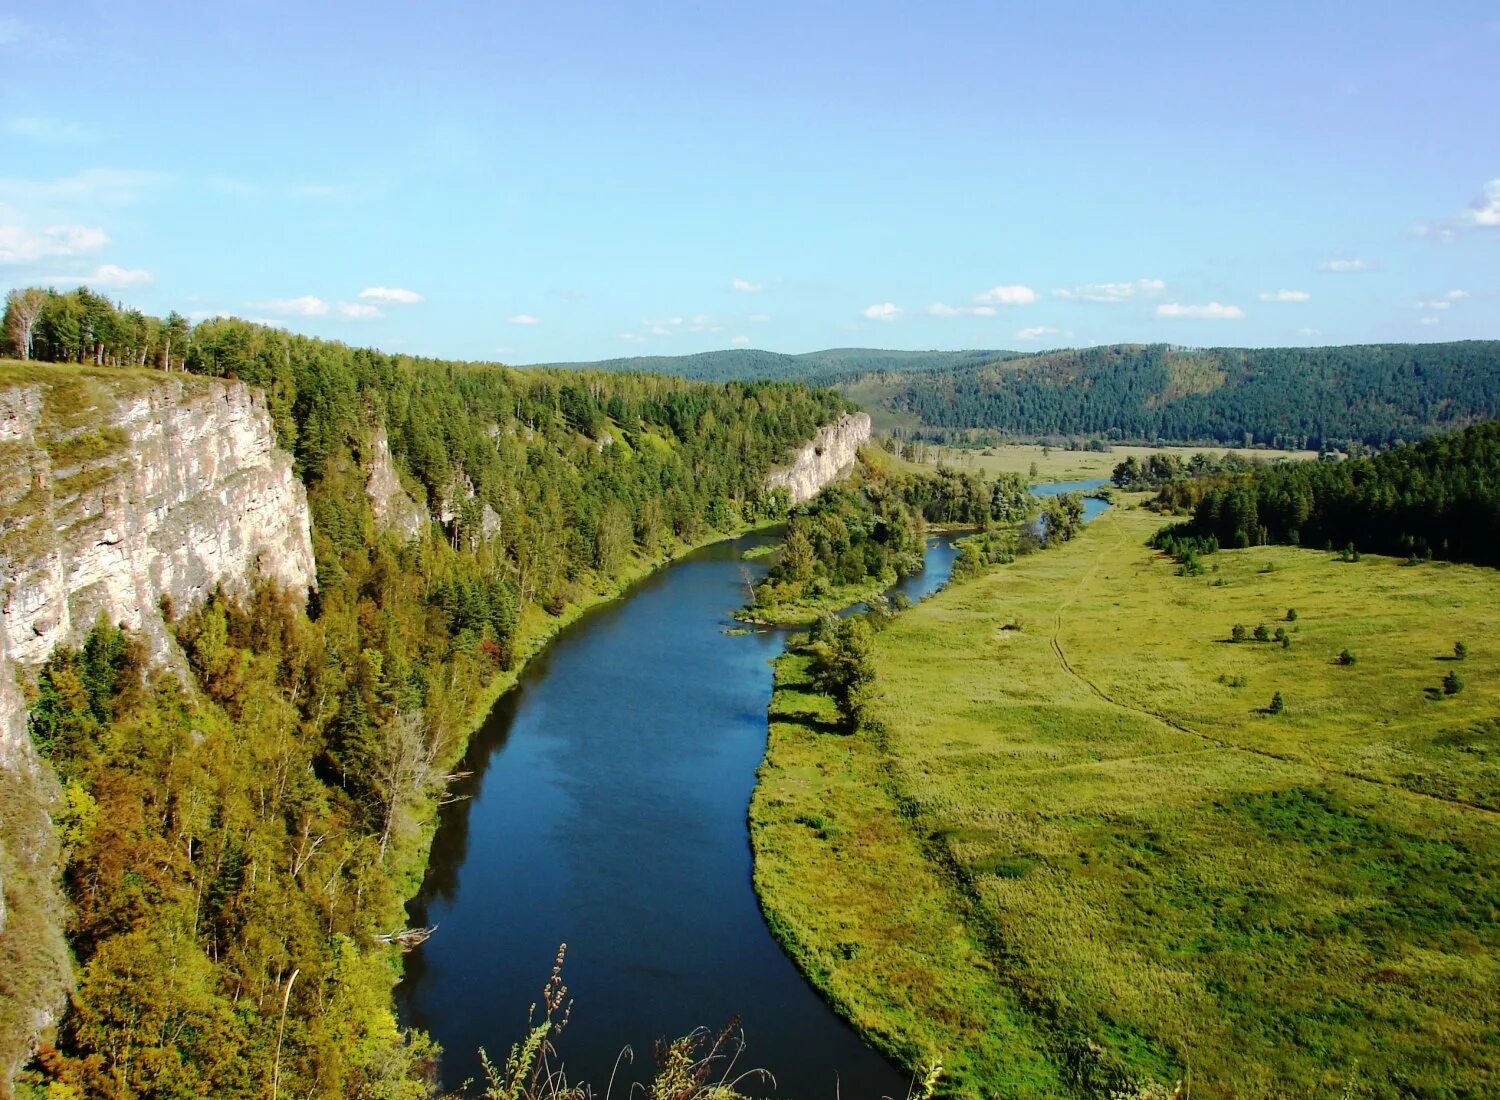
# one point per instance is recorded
(1291, 614)
(1280, 635)
(1286, 641)
(1347, 657)
(1238, 634)
(1460, 651)
(1278, 704)
(1262, 633)
(1453, 683)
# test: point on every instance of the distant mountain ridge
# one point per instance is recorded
(1375, 394)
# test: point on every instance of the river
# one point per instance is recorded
(606, 810)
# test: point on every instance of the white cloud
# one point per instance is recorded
(1309, 333)
(1284, 296)
(1036, 332)
(1441, 303)
(1485, 210)
(393, 294)
(1429, 320)
(359, 310)
(111, 275)
(745, 286)
(739, 340)
(19, 246)
(760, 318)
(1008, 295)
(524, 319)
(305, 306)
(54, 131)
(882, 311)
(942, 309)
(206, 314)
(1213, 311)
(1112, 293)
(1348, 266)
(1456, 295)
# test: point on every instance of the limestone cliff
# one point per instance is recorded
(826, 457)
(118, 489)
(393, 506)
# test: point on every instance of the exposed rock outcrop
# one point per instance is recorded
(117, 491)
(394, 508)
(826, 457)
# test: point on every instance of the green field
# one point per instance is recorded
(1060, 464)
(1081, 856)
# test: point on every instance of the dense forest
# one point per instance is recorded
(1375, 394)
(237, 842)
(1316, 398)
(1438, 498)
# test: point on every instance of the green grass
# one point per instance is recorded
(1278, 905)
(1059, 464)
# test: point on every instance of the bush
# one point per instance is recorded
(1280, 635)
(1460, 651)
(1278, 704)
(1347, 657)
(1286, 641)
(1291, 614)
(1262, 633)
(1453, 683)
(1238, 634)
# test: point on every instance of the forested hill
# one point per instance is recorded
(820, 368)
(235, 850)
(1376, 394)
(1286, 397)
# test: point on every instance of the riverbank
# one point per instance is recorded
(537, 630)
(1105, 848)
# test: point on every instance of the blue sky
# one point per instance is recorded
(571, 181)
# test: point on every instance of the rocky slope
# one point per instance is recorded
(827, 456)
(119, 491)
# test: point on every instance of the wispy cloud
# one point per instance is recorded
(524, 319)
(11, 30)
(1348, 266)
(1015, 295)
(1429, 320)
(1456, 295)
(98, 186)
(1437, 303)
(1212, 311)
(740, 340)
(760, 318)
(942, 309)
(670, 326)
(19, 245)
(360, 311)
(1036, 332)
(52, 131)
(882, 311)
(1284, 296)
(745, 286)
(109, 276)
(305, 306)
(394, 294)
(1112, 293)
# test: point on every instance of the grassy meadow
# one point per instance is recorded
(1080, 855)
(1060, 464)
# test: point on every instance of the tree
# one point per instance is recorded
(1262, 633)
(1278, 704)
(1460, 651)
(23, 308)
(1453, 683)
(1347, 658)
(1238, 634)
(1291, 614)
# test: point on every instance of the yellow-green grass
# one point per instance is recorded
(1278, 904)
(1059, 464)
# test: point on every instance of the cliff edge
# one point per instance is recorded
(826, 457)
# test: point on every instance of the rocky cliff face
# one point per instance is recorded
(393, 506)
(829, 455)
(117, 489)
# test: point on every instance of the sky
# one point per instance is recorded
(568, 181)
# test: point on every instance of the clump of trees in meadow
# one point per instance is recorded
(1439, 497)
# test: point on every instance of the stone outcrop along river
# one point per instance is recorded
(117, 489)
(829, 455)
